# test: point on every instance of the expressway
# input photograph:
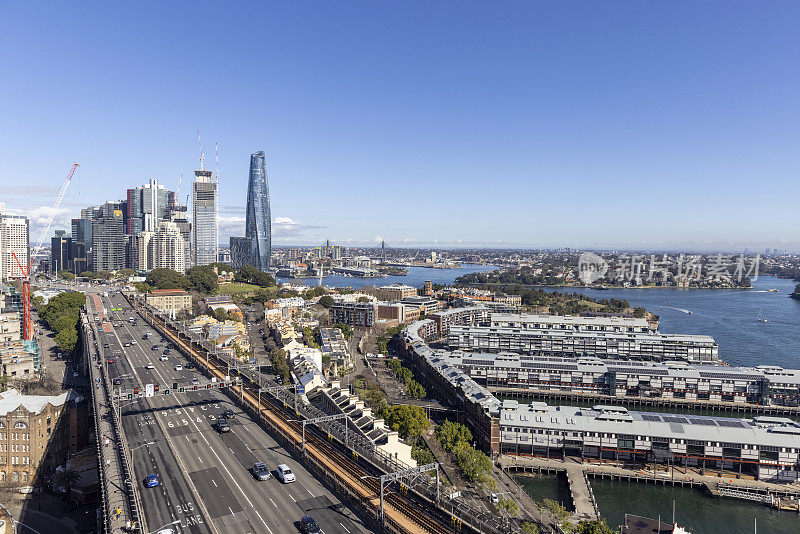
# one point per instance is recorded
(206, 484)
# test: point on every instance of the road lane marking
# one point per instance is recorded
(262, 520)
(290, 495)
(273, 502)
(344, 527)
(309, 492)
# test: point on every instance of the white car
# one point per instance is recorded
(285, 474)
(179, 367)
(150, 365)
(134, 342)
(164, 357)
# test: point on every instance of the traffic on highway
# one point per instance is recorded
(201, 463)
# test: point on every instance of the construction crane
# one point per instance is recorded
(202, 154)
(27, 326)
(178, 191)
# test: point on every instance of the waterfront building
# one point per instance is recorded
(353, 313)
(258, 222)
(61, 252)
(204, 218)
(426, 305)
(446, 319)
(767, 448)
(762, 385)
(14, 242)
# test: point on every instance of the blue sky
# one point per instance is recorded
(583, 124)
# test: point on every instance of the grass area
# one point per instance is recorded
(236, 288)
(591, 305)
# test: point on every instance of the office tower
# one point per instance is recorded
(139, 251)
(81, 244)
(204, 219)
(14, 241)
(241, 252)
(258, 223)
(146, 206)
(61, 252)
(108, 237)
(179, 215)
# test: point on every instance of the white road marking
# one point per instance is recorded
(309, 492)
(344, 527)
(273, 502)
(290, 495)
(262, 520)
(215, 484)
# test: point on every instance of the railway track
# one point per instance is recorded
(400, 513)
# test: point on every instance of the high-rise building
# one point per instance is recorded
(61, 252)
(204, 219)
(179, 215)
(108, 237)
(241, 252)
(14, 241)
(258, 222)
(167, 248)
(146, 206)
(81, 244)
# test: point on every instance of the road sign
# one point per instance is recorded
(149, 390)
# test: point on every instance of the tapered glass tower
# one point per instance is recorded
(258, 225)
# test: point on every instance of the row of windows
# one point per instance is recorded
(15, 476)
(20, 424)
(18, 435)
(15, 460)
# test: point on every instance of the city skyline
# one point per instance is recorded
(583, 106)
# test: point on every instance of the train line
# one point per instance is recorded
(400, 513)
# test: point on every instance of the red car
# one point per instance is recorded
(111, 360)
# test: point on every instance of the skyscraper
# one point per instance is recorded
(258, 222)
(204, 219)
(108, 237)
(14, 242)
(61, 252)
(81, 244)
(146, 206)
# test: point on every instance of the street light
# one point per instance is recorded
(165, 526)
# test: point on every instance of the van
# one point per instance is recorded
(285, 474)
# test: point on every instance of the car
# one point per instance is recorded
(167, 351)
(134, 342)
(179, 367)
(223, 425)
(150, 365)
(154, 347)
(494, 498)
(106, 346)
(111, 360)
(151, 481)
(195, 382)
(261, 471)
(228, 414)
(164, 358)
(145, 336)
(170, 345)
(127, 345)
(308, 525)
(285, 474)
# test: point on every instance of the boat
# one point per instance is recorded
(774, 290)
(761, 318)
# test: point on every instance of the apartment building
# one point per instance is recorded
(445, 319)
(353, 313)
(169, 300)
(396, 292)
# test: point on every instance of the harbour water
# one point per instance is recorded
(416, 277)
(729, 316)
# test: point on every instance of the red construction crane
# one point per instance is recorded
(27, 326)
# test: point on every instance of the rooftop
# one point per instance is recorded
(13, 399)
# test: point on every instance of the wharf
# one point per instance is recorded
(781, 496)
(633, 402)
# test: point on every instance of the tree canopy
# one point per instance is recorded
(203, 279)
(250, 275)
(408, 421)
(61, 314)
(326, 301)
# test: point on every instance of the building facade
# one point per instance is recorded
(168, 300)
(241, 252)
(108, 238)
(204, 219)
(14, 243)
(61, 252)
(258, 223)
(81, 244)
(353, 313)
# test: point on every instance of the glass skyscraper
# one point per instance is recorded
(204, 222)
(258, 223)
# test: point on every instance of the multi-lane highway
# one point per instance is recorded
(206, 481)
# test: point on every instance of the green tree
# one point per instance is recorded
(422, 454)
(250, 275)
(220, 314)
(509, 505)
(416, 390)
(363, 299)
(473, 464)
(346, 329)
(529, 527)
(166, 279)
(408, 421)
(124, 274)
(88, 274)
(203, 279)
(66, 478)
(67, 338)
(451, 435)
(326, 301)
(66, 275)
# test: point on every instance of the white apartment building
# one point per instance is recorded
(14, 241)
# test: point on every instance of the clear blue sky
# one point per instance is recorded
(636, 124)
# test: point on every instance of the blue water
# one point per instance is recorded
(416, 277)
(729, 316)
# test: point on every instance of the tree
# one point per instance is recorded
(203, 279)
(66, 339)
(509, 505)
(326, 301)
(346, 329)
(408, 421)
(451, 435)
(422, 454)
(363, 299)
(250, 275)
(416, 390)
(124, 274)
(88, 274)
(473, 464)
(220, 314)
(66, 275)
(66, 478)
(530, 528)
(166, 279)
